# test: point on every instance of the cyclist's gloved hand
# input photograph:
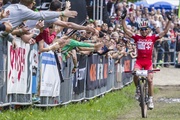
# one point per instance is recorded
(124, 12)
(169, 15)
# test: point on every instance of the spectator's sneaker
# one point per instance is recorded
(158, 67)
(36, 100)
(161, 62)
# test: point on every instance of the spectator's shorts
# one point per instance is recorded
(143, 64)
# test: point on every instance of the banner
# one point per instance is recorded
(19, 68)
(97, 72)
(50, 80)
(102, 71)
(119, 72)
(126, 66)
(92, 82)
(80, 75)
(34, 62)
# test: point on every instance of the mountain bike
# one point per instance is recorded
(143, 88)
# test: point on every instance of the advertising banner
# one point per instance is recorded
(50, 80)
(92, 82)
(80, 75)
(19, 68)
(126, 66)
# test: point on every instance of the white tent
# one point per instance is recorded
(173, 2)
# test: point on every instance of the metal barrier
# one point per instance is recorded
(19, 74)
(166, 54)
(110, 80)
(29, 75)
(3, 73)
(79, 79)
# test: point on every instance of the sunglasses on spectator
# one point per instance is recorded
(142, 29)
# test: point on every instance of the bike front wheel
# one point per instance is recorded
(143, 103)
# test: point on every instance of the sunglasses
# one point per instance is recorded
(142, 29)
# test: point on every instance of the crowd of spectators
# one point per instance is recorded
(101, 38)
(165, 48)
(47, 29)
(50, 30)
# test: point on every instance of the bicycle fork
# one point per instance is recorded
(145, 82)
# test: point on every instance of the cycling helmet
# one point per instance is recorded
(144, 24)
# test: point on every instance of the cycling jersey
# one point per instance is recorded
(145, 45)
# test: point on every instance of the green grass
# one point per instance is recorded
(108, 107)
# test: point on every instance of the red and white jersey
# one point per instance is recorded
(145, 45)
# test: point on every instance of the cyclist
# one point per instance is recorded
(144, 43)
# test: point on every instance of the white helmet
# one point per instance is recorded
(143, 24)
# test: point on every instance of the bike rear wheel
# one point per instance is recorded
(143, 103)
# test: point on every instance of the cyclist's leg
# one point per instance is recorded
(149, 66)
(150, 84)
(137, 66)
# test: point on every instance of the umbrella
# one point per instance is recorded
(161, 5)
(145, 4)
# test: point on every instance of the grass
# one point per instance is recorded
(108, 107)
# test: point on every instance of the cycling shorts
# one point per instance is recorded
(143, 64)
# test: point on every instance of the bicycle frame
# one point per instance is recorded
(143, 99)
(143, 88)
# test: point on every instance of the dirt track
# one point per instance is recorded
(167, 76)
(168, 83)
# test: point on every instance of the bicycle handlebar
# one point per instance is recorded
(141, 72)
(149, 71)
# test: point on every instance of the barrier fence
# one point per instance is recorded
(25, 74)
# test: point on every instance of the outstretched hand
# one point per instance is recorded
(68, 5)
(93, 30)
(70, 13)
(5, 14)
(124, 13)
(169, 15)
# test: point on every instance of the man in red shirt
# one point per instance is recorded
(145, 44)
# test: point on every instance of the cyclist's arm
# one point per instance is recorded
(165, 30)
(128, 32)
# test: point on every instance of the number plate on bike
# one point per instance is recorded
(142, 73)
